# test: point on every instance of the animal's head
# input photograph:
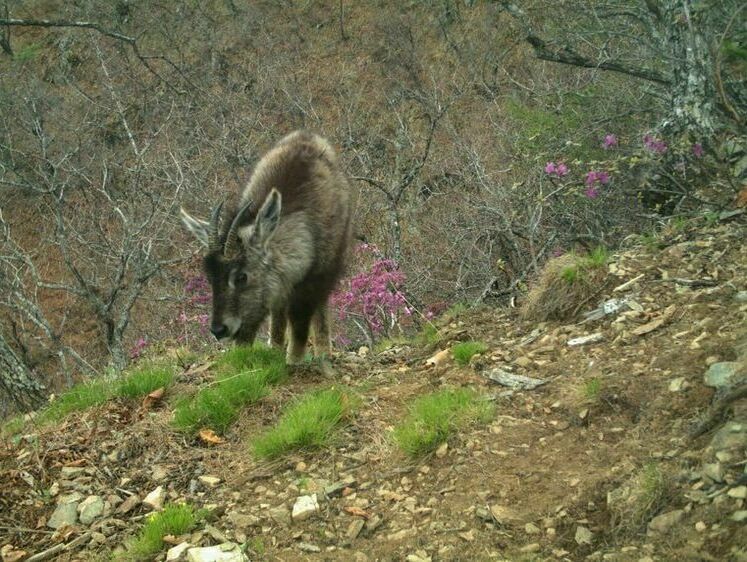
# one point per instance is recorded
(237, 264)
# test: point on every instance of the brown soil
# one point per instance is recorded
(549, 458)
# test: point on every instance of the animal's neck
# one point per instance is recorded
(292, 254)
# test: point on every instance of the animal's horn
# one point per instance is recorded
(213, 238)
(231, 246)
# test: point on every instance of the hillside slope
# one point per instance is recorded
(601, 462)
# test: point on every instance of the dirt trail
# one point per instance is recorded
(596, 464)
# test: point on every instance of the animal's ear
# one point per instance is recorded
(267, 218)
(198, 227)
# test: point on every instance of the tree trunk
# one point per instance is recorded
(693, 92)
(16, 381)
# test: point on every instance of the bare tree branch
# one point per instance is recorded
(566, 55)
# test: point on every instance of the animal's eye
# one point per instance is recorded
(241, 279)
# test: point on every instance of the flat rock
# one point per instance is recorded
(155, 499)
(90, 509)
(584, 340)
(354, 529)
(664, 522)
(65, 514)
(226, 552)
(177, 552)
(739, 516)
(209, 481)
(505, 515)
(714, 471)
(517, 382)
(738, 492)
(733, 435)
(337, 488)
(583, 535)
(243, 521)
(305, 507)
(722, 375)
(129, 504)
(281, 515)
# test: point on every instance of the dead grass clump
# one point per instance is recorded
(566, 285)
(645, 495)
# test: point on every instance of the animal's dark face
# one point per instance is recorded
(237, 266)
(239, 295)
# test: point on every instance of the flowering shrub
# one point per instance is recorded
(194, 317)
(373, 299)
(137, 350)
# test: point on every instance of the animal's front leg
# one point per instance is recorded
(278, 324)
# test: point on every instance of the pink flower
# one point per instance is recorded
(609, 141)
(591, 192)
(553, 169)
(654, 145)
(698, 151)
(593, 177)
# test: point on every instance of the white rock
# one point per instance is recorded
(155, 499)
(90, 509)
(583, 535)
(675, 385)
(305, 507)
(664, 522)
(209, 481)
(226, 552)
(583, 340)
(177, 552)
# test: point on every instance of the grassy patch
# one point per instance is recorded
(243, 358)
(646, 493)
(12, 426)
(592, 389)
(596, 259)
(463, 352)
(80, 397)
(306, 424)
(246, 374)
(144, 380)
(428, 336)
(432, 418)
(173, 520)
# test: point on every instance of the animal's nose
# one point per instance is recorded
(219, 330)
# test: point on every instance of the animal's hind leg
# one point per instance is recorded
(278, 324)
(322, 343)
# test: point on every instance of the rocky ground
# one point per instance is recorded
(632, 449)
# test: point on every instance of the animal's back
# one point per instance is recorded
(304, 167)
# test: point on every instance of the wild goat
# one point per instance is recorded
(284, 248)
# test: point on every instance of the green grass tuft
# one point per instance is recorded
(308, 423)
(247, 372)
(463, 352)
(428, 336)
(80, 397)
(434, 417)
(173, 520)
(596, 259)
(592, 389)
(12, 426)
(144, 380)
